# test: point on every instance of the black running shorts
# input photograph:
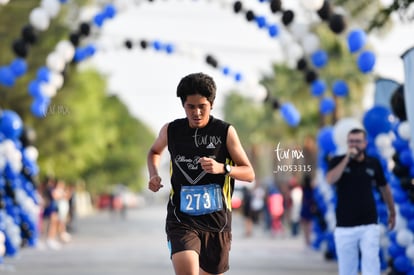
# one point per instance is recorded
(213, 248)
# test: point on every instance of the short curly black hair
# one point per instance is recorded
(197, 84)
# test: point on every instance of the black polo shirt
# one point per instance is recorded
(355, 199)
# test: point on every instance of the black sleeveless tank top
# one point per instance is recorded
(186, 146)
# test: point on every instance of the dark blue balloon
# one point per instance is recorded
(402, 264)
(318, 87)
(356, 40)
(366, 61)
(340, 88)
(11, 125)
(400, 196)
(319, 58)
(406, 158)
(396, 250)
(377, 120)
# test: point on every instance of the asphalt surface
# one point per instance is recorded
(106, 244)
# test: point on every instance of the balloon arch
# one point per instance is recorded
(389, 122)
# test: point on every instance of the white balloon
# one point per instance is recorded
(404, 237)
(387, 152)
(313, 5)
(39, 19)
(410, 252)
(31, 152)
(66, 49)
(404, 130)
(2, 162)
(341, 130)
(383, 140)
(122, 5)
(56, 79)
(298, 30)
(2, 249)
(52, 7)
(310, 43)
(4, 2)
(55, 62)
(47, 89)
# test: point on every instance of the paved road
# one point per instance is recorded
(108, 245)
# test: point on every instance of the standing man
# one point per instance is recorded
(206, 157)
(357, 230)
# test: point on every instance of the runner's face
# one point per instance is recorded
(197, 109)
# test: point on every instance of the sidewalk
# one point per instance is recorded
(108, 245)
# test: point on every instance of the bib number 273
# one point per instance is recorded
(201, 199)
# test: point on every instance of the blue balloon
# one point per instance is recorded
(157, 45)
(319, 58)
(410, 225)
(327, 105)
(11, 125)
(406, 158)
(261, 21)
(273, 30)
(377, 120)
(366, 61)
(290, 114)
(90, 50)
(18, 67)
(356, 40)
(226, 70)
(99, 19)
(109, 11)
(402, 263)
(340, 88)
(43, 74)
(407, 210)
(7, 77)
(400, 196)
(34, 88)
(325, 139)
(39, 107)
(396, 250)
(238, 77)
(169, 48)
(318, 87)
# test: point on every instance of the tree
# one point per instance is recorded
(85, 134)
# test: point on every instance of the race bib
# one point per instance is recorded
(201, 199)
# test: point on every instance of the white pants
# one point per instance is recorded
(349, 241)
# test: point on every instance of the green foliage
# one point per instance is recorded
(85, 134)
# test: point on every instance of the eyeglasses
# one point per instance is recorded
(355, 141)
